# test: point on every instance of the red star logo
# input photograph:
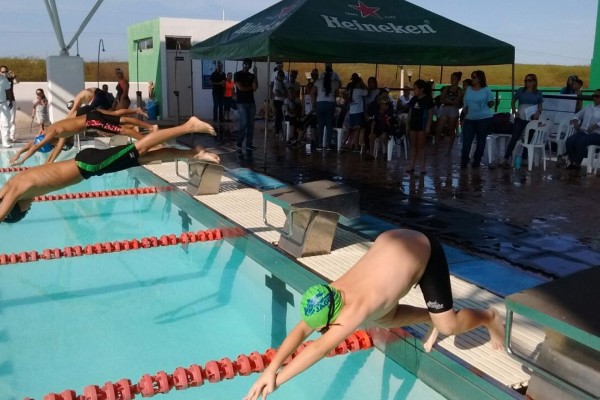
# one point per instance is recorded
(284, 11)
(365, 10)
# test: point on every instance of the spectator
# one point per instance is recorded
(419, 121)
(325, 91)
(217, 79)
(228, 97)
(357, 90)
(122, 100)
(39, 114)
(292, 110)
(246, 83)
(479, 101)
(10, 96)
(309, 118)
(587, 126)
(568, 89)
(383, 120)
(111, 98)
(279, 95)
(101, 100)
(4, 107)
(463, 111)
(293, 82)
(528, 97)
(451, 98)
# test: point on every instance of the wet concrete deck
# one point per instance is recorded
(542, 221)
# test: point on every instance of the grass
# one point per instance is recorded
(34, 70)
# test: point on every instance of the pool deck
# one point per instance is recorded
(503, 230)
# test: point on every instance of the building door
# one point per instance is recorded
(179, 77)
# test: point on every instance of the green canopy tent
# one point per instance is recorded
(354, 31)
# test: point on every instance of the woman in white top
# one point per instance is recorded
(39, 114)
(325, 92)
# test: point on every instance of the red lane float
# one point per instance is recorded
(13, 169)
(110, 247)
(104, 193)
(194, 376)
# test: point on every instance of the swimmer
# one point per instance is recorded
(111, 122)
(369, 292)
(17, 194)
(54, 147)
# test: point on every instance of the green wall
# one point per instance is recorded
(149, 59)
(595, 67)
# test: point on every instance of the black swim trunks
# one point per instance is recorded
(96, 162)
(94, 119)
(435, 282)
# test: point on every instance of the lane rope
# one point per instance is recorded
(184, 238)
(12, 169)
(195, 375)
(105, 193)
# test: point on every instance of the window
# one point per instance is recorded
(145, 44)
(178, 42)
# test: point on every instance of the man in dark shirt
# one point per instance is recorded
(217, 79)
(246, 83)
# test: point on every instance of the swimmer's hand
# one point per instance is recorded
(265, 385)
(14, 161)
(142, 112)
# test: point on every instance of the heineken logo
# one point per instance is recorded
(389, 27)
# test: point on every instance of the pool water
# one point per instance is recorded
(71, 322)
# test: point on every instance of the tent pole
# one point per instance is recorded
(512, 91)
(441, 74)
(267, 108)
(419, 71)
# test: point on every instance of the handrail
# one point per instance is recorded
(559, 381)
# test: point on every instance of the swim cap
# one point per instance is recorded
(45, 148)
(314, 306)
(15, 214)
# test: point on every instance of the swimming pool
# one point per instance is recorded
(72, 322)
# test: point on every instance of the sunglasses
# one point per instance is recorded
(330, 312)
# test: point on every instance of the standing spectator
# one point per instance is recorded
(12, 105)
(228, 98)
(309, 118)
(40, 109)
(122, 100)
(279, 95)
(292, 108)
(325, 92)
(479, 101)
(568, 89)
(4, 106)
(451, 99)
(246, 83)
(528, 96)
(357, 90)
(419, 120)
(217, 79)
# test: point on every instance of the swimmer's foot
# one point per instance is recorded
(202, 155)
(154, 128)
(496, 330)
(196, 125)
(430, 338)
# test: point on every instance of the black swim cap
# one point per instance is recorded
(15, 215)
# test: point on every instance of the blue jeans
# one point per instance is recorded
(474, 128)
(246, 112)
(517, 132)
(325, 111)
(218, 107)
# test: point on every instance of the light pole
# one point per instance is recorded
(100, 43)
(409, 72)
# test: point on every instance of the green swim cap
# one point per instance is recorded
(315, 304)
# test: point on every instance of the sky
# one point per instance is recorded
(542, 31)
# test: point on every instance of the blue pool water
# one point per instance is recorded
(72, 322)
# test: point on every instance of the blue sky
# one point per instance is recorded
(542, 31)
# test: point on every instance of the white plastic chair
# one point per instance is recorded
(592, 162)
(491, 147)
(565, 129)
(397, 143)
(339, 136)
(538, 141)
(378, 144)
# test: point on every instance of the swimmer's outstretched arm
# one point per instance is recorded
(13, 160)
(56, 150)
